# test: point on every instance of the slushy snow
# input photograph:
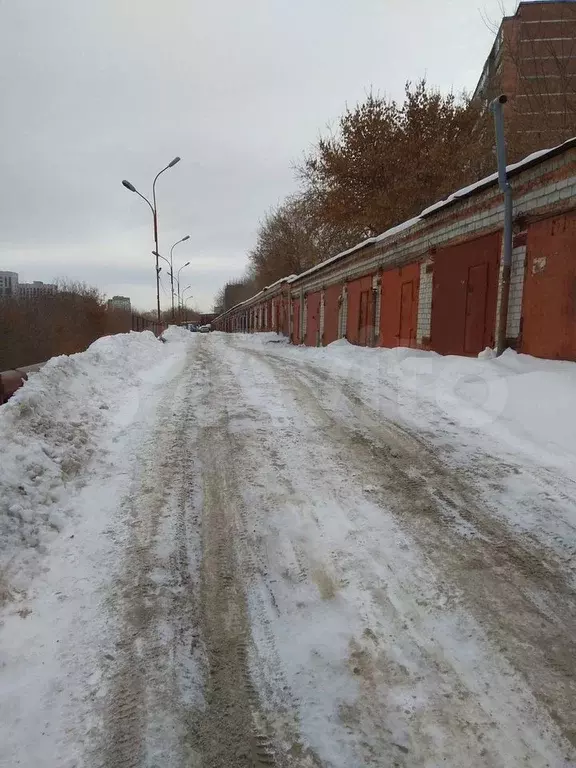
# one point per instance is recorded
(49, 432)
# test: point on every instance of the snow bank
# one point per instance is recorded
(263, 338)
(176, 333)
(526, 403)
(48, 433)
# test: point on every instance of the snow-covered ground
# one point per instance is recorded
(511, 419)
(51, 429)
(227, 551)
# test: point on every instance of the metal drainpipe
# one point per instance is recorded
(497, 108)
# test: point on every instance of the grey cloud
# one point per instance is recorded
(95, 91)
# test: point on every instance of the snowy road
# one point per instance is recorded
(272, 570)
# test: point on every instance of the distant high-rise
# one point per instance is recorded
(8, 284)
(533, 61)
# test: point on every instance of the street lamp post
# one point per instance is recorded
(184, 303)
(186, 309)
(159, 268)
(182, 295)
(178, 281)
(187, 237)
(154, 209)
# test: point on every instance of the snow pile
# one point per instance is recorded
(48, 433)
(527, 403)
(261, 339)
(487, 354)
(523, 403)
(176, 333)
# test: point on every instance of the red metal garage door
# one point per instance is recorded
(464, 296)
(313, 319)
(331, 307)
(399, 306)
(295, 321)
(549, 304)
(359, 310)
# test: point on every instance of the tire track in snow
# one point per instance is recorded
(153, 692)
(235, 729)
(513, 586)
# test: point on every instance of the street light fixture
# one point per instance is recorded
(178, 280)
(154, 209)
(184, 307)
(158, 255)
(183, 292)
(186, 237)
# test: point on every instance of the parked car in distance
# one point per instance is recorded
(205, 328)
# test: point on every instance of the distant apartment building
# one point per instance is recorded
(121, 303)
(533, 61)
(36, 289)
(9, 284)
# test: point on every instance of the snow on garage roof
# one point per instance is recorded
(468, 191)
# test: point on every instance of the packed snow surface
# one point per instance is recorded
(228, 551)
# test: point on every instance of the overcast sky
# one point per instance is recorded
(95, 91)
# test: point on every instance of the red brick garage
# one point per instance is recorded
(313, 319)
(360, 317)
(399, 306)
(549, 301)
(464, 295)
(331, 308)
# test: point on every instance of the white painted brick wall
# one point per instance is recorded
(499, 296)
(343, 315)
(377, 286)
(515, 295)
(516, 291)
(424, 304)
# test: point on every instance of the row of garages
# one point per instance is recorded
(435, 282)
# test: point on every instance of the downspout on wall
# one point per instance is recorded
(497, 108)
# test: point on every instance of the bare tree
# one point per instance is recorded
(388, 161)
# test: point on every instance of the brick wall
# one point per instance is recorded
(377, 287)
(343, 315)
(548, 187)
(423, 328)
